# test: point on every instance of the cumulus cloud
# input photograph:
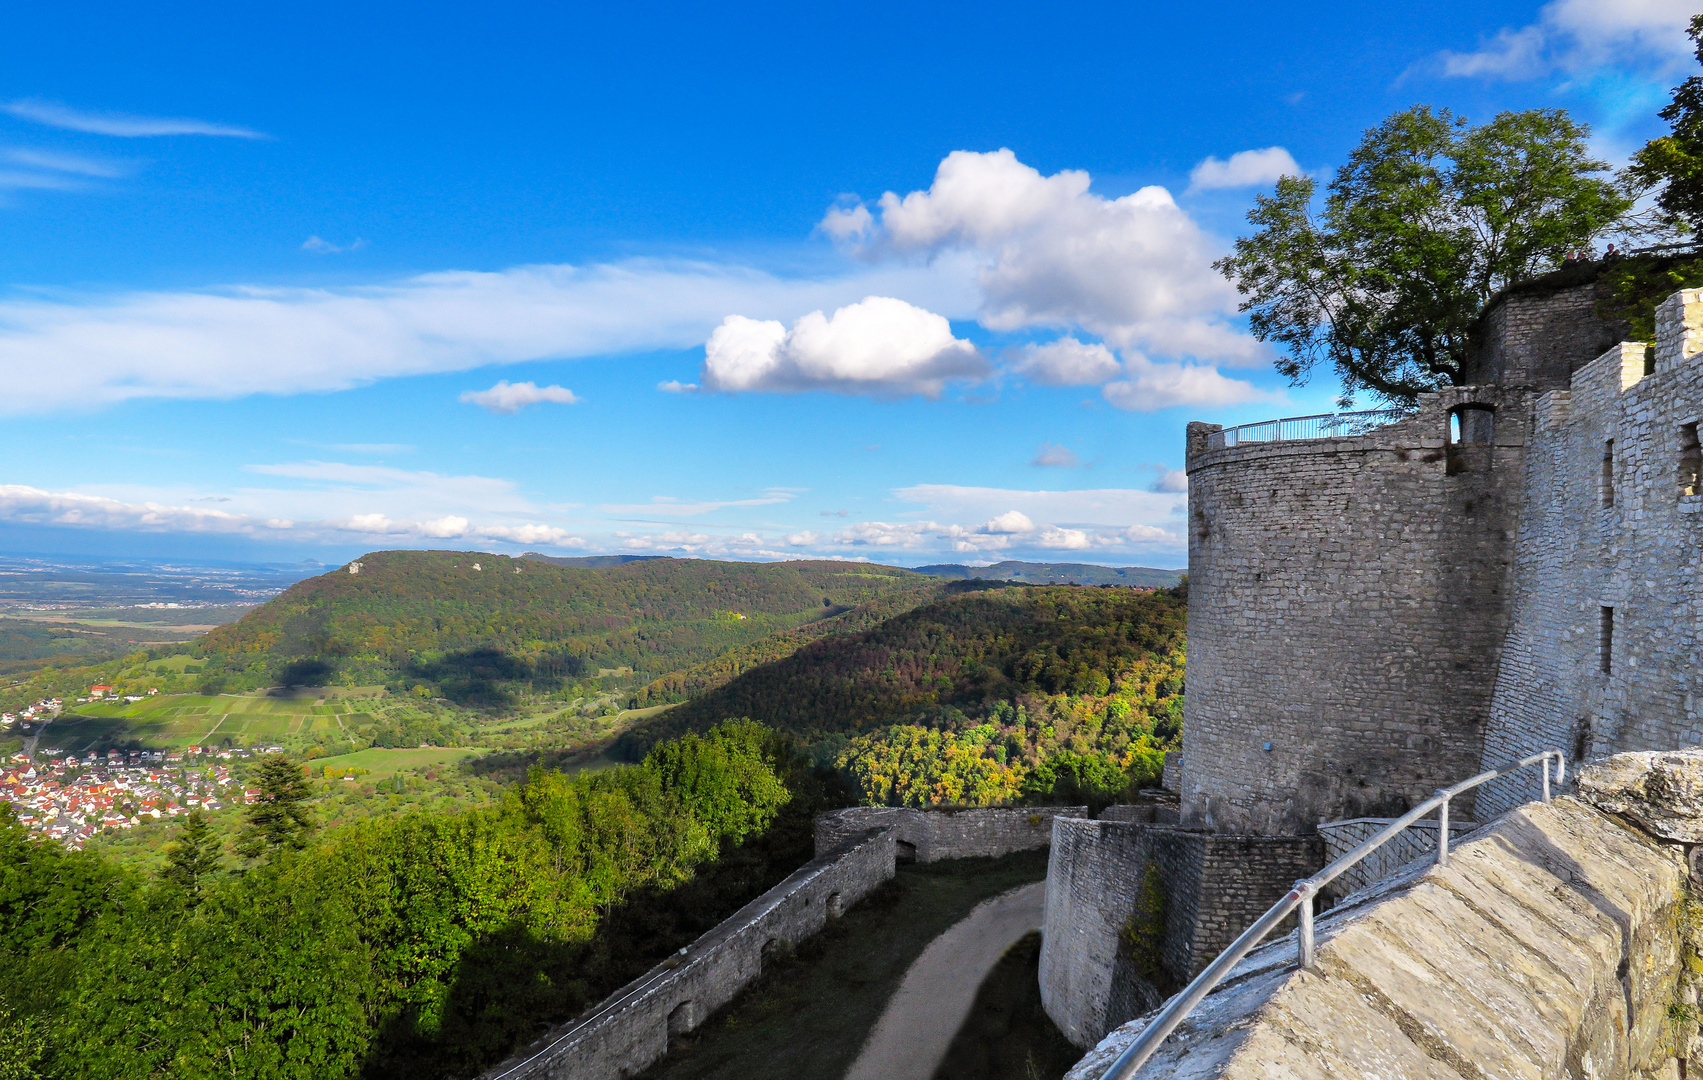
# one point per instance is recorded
(73, 351)
(1246, 168)
(879, 346)
(1135, 270)
(1574, 35)
(1152, 385)
(1052, 455)
(845, 223)
(1067, 362)
(675, 386)
(507, 397)
(122, 125)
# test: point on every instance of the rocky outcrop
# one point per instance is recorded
(1552, 946)
(1660, 791)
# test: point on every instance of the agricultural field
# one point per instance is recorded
(174, 721)
(382, 764)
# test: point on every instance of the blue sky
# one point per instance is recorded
(768, 281)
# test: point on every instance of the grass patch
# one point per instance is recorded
(385, 763)
(838, 982)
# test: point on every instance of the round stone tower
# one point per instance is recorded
(1348, 597)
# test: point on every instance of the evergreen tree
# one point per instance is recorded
(278, 820)
(192, 856)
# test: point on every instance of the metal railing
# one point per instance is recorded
(1322, 426)
(1301, 896)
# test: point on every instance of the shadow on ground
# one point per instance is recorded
(809, 1013)
(1008, 1036)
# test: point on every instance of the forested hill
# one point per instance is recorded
(952, 660)
(461, 619)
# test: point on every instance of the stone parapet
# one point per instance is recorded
(932, 835)
(1551, 946)
(631, 1029)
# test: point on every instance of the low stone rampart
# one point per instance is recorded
(932, 835)
(631, 1029)
(1552, 946)
(1214, 887)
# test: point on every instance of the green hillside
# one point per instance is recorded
(984, 697)
(465, 625)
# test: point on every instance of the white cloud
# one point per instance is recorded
(1151, 386)
(1067, 362)
(1134, 270)
(32, 506)
(71, 351)
(668, 506)
(845, 223)
(1175, 480)
(120, 124)
(1574, 35)
(326, 247)
(507, 397)
(1246, 168)
(1052, 455)
(54, 161)
(675, 386)
(1012, 521)
(879, 346)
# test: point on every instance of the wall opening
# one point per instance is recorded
(1690, 461)
(1605, 486)
(681, 1020)
(1605, 640)
(1472, 433)
(835, 906)
(904, 853)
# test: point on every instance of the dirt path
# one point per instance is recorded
(916, 1029)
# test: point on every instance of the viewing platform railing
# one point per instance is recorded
(1323, 426)
(1301, 896)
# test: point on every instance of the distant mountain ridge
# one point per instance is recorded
(1035, 573)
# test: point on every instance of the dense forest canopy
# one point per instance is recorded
(461, 623)
(421, 946)
(1048, 693)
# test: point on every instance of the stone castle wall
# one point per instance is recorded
(1347, 605)
(1539, 338)
(630, 1030)
(1215, 887)
(1603, 648)
(931, 835)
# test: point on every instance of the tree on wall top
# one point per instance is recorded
(1421, 227)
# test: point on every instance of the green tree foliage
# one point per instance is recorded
(1673, 163)
(1428, 219)
(479, 635)
(420, 946)
(967, 653)
(192, 857)
(279, 819)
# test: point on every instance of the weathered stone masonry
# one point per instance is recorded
(1347, 605)
(1215, 885)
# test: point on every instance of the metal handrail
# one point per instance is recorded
(1301, 896)
(1318, 426)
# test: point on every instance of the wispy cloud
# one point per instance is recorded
(1575, 35)
(89, 351)
(74, 164)
(508, 398)
(1052, 455)
(669, 506)
(326, 247)
(122, 125)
